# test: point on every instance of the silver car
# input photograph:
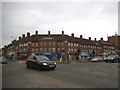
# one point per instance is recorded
(3, 60)
(97, 59)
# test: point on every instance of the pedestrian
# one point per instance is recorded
(77, 58)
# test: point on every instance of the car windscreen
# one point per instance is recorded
(97, 57)
(111, 56)
(4, 59)
(42, 58)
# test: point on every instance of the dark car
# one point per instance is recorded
(113, 58)
(40, 62)
(4, 60)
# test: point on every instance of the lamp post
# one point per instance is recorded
(96, 47)
(14, 48)
(66, 51)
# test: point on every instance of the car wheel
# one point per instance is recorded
(113, 61)
(53, 68)
(27, 66)
(38, 68)
(106, 61)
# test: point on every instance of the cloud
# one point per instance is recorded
(95, 19)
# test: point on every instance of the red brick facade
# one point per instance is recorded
(56, 43)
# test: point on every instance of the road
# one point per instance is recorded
(73, 75)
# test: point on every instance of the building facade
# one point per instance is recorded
(115, 41)
(55, 43)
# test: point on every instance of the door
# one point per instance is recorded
(34, 62)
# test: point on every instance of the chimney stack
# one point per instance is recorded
(12, 42)
(81, 36)
(48, 32)
(36, 32)
(23, 35)
(72, 34)
(19, 37)
(95, 39)
(28, 34)
(62, 32)
(101, 39)
(89, 38)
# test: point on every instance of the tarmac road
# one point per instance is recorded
(73, 75)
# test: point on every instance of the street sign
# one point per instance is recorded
(63, 53)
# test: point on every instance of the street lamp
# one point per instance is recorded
(96, 47)
(66, 51)
(14, 48)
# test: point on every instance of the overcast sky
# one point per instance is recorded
(90, 19)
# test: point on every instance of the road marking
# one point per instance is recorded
(117, 67)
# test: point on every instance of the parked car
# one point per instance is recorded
(3, 60)
(97, 59)
(40, 62)
(113, 58)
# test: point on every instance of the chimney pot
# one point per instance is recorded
(48, 32)
(95, 39)
(36, 32)
(81, 36)
(62, 32)
(102, 39)
(28, 34)
(23, 35)
(19, 38)
(89, 38)
(72, 34)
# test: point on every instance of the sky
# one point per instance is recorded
(90, 18)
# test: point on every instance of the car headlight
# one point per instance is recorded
(44, 64)
(55, 63)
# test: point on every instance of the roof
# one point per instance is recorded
(59, 37)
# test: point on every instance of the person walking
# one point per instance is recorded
(77, 58)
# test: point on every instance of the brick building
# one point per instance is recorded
(115, 41)
(49, 43)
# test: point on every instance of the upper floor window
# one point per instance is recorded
(41, 44)
(71, 44)
(36, 49)
(45, 49)
(49, 43)
(58, 43)
(68, 44)
(50, 49)
(33, 44)
(36, 44)
(54, 50)
(54, 43)
(45, 44)
(62, 44)
(74, 44)
(33, 50)
(75, 50)
(26, 44)
(58, 49)
(77, 44)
